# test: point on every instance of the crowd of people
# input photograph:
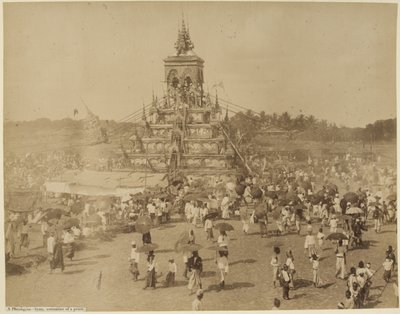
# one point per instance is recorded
(280, 200)
(34, 169)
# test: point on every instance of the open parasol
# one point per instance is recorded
(192, 247)
(345, 217)
(392, 197)
(210, 216)
(182, 240)
(203, 199)
(140, 197)
(223, 226)
(271, 194)
(218, 248)
(283, 202)
(292, 197)
(337, 236)
(239, 189)
(192, 197)
(147, 248)
(351, 197)
(256, 193)
(71, 222)
(53, 221)
(143, 224)
(354, 211)
(53, 213)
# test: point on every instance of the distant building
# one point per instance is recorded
(272, 131)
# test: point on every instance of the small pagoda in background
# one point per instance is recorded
(181, 132)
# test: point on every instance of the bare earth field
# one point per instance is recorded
(249, 285)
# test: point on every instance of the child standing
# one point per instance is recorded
(320, 238)
(315, 266)
(196, 304)
(349, 301)
(309, 244)
(333, 222)
(275, 269)
(275, 265)
(172, 269)
(208, 227)
(387, 266)
(291, 268)
(134, 259)
(309, 226)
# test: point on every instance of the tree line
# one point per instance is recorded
(244, 127)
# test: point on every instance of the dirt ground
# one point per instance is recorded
(248, 285)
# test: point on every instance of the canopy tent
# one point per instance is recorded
(93, 183)
(113, 180)
(57, 187)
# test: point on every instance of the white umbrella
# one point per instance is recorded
(354, 210)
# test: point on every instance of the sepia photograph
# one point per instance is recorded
(200, 156)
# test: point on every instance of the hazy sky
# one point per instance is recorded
(336, 61)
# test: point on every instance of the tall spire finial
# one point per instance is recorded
(183, 43)
(226, 114)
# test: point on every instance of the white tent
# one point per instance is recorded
(57, 187)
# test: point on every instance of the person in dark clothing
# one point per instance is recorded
(195, 265)
(58, 257)
(285, 280)
(146, 238)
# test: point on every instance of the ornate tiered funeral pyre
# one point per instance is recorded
(182, 130)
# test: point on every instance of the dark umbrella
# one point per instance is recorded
(314, 200)
(271, 194)
(163, 195)
(345, 217)
(143, 224)
(53, 221)
(223, 226)
(292, 197)
(147, 248)
(192, 197)
(203, 199)
(240, 189)
(53, 213)
(210, 216)
(332, 186)
(351, 197)
(392, 197)
(337, 236)
(283, 202)
(71, 222)
(177, 182)
(256, 193)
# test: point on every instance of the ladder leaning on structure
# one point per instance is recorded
(235, 149)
